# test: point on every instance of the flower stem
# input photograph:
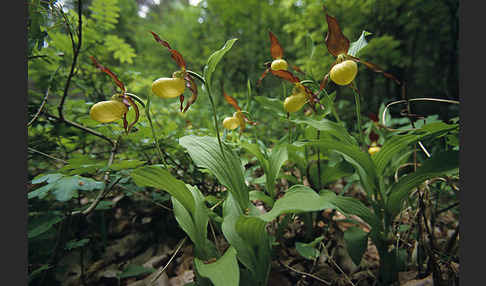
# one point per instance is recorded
(216, 122)
(147, 113)
(208, 88)
(358, 112)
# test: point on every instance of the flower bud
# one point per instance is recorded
(344, 72)
(231, 123)
(108, 111)
(168, 87)
(279, 64)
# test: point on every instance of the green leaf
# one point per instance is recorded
(356, 243)
(126, 164)
(39, 225)
(157, 177)
(215, 58)
(133, 270)
(275, 161)
(76, 243)
(49, 178)
(348, 205)
(63, 187)
(223, 271)
(298, 198)
(329, 128)
(253, 232)
(308, 250)
(271, 166)
(438, 165)
(399, 143)
(38, 271)
(206, 153)
(195, 223)
(231, 213)
(355, 47)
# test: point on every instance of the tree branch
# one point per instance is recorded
(75, 57)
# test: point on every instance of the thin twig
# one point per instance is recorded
(46, 155)
(306, 274)
(79, 126)
(101, 195)
(44, 101)
(181, 243)
(383, 116)
(335, 264)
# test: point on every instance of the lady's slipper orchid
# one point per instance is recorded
(174, 87)
(238, 119)
(374, 147)
(296, 101)
(108, 111)
(278, 63)
(344, 69)
(117, 107)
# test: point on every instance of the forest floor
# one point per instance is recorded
(143, 245)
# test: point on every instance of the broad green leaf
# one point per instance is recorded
(126, 164)
(329, 127)
(253, 232)
(206, 153)
(195, 224)
(49, 178)
(39, 225)
(133, 270)
(271, 165)
(245, 253)
(223, 271)
(40, 192)
(298, 198)
(64, 187)
(308, 250)
(275, 161)
(355, 47)
(349, 205)
(399, 143)
(438, 165)
(76, 243)
(215, 58)
(38, 271)
(356, 243)
(157, 177)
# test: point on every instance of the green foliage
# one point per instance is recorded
(223, 271)
(64, 187)
(205, 153)
(156, 176)
(356, 243)
(208, 179)
(105, 13)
